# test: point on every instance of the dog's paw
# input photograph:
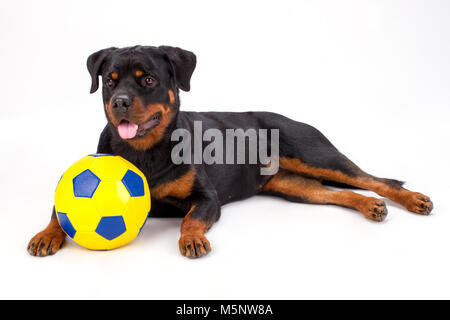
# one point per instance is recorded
(46, 242)
(194, 246)
(374, 209)
(419, 203)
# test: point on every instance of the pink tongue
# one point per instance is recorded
(127, 130)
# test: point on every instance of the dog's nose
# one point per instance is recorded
(122, 102)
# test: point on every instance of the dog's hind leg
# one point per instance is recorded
(348, 173)
(305, 150)
(295, 187)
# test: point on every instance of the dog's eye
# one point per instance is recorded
(110, 83)
(149, 81)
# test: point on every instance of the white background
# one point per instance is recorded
(373, 76)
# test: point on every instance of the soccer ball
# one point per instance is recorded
(102, 201)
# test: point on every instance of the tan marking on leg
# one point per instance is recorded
(413, 201)
(193, 243)
(312, 191)
(48, 241)
(295, 165)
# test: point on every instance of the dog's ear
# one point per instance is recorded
(94, 65)
(183, 64)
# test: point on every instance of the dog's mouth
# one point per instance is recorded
(130, 130)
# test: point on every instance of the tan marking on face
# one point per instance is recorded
(171, 96)
(110, 114)
(142, 114)
(139, 73)
(114, 75)
(156, 134)
(180, 188)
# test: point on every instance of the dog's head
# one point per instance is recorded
(140, 89)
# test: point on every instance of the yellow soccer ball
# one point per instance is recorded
(102, 201)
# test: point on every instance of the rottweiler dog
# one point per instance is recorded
(141, 102)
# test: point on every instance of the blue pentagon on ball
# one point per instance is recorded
(111, 227)
(134, 184)
(66, 225)
(85, 184)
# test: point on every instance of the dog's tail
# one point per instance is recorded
(397, 184)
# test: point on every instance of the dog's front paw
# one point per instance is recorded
(194, 246)
(419, 203)
(46, 242)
